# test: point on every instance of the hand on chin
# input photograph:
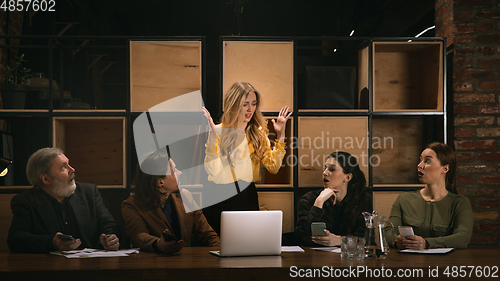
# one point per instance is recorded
(333, 198)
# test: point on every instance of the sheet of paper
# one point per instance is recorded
(66, 253)
(328, 249)
(95, 253)
(291, 249)
(130, 251)
(429, 251)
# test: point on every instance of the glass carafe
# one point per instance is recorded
(376, 245)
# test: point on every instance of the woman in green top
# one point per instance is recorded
(439, 216)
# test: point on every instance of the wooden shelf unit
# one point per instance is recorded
(283, 201)
(407, 76)
(320, 136)
(393, 80)
(396, 145)
(95, 147)
(162, 70)
(284, 177)
(396, 77)
(268, 66)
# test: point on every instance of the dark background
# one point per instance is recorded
(215, 18)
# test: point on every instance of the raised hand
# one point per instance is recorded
(280, 123)
(211, 139)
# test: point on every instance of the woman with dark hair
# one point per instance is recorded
(157, 218)
(339, 205)
(440, 218)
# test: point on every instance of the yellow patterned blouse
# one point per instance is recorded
(219, 170)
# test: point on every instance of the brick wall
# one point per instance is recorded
(472, 28)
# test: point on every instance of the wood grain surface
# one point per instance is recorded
(268, 66)
(198, 264)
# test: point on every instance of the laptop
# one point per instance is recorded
(250, 233)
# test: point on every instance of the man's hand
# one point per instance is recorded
(168, 245)
(110, 242)
(65, 245)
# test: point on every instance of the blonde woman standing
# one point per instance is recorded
(237, 146)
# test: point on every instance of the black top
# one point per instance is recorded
(65, 217)
(331, 215)
(171, 215)
(35, 222)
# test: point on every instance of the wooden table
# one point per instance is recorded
(198, 264)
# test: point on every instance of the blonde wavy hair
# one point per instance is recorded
(256, 130)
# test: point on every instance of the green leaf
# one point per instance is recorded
(16, 73)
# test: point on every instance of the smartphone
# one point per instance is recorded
(169, 237)
(405, 231)
(318, 229)
(65, 237)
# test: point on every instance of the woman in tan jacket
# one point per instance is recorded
(156, 216)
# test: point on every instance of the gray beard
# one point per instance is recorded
(62, 189)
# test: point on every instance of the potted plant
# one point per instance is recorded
(14, 86)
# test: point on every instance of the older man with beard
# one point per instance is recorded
(57, 213)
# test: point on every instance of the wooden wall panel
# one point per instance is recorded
(363, 78)
(383, 200)
(320, 136)
(268, 66)
(399, 147)
(161, 70)
(5, 220)
(432, 77)
(285, 175)
(95, 147)
(270, 201)
(407, 76)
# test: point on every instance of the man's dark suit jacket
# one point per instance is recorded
(34, 223)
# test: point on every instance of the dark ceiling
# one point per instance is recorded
(213, 18)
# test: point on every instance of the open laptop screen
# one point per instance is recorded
(251, 233)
